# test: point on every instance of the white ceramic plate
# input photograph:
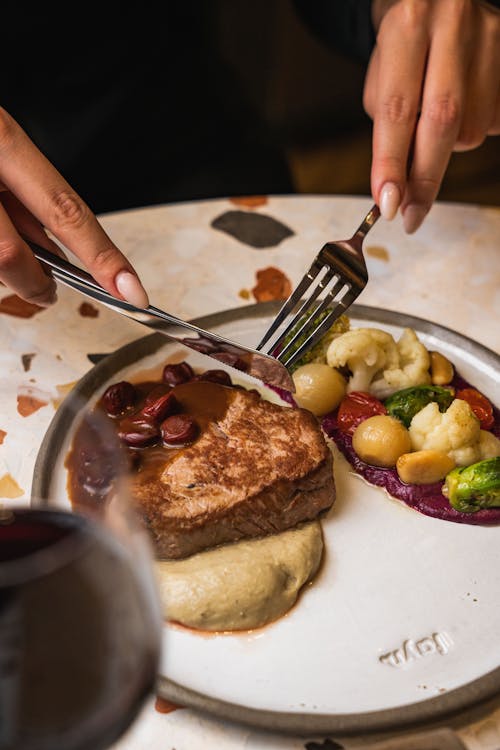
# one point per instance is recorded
(400, 627)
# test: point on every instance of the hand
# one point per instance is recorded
(34, 196)
(432, 87)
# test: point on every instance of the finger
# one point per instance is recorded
(494, 128)
(483, 83)
(26, 224)
(370, 85)
(47, 195)
(440, 119)
(19, 270)
(403, 44)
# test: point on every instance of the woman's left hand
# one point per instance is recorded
(432, 87)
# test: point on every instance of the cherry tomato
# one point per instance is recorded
(479, 404)
(355, 408)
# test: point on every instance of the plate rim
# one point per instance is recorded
(466, 698)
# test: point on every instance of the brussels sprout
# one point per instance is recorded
(470, 488)
(406, 403)
(318, 352)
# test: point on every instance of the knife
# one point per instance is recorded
(261, 366)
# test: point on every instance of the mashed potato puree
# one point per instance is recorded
(242, 585)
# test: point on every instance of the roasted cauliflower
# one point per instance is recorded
(365, 352)
(377, 363)
(411, 369)
(456, 432)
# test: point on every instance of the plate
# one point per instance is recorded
(393, 631)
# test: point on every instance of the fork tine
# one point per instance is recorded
(291, 302)
(311, 312)
(345, 278)
(306, 305)
(340, 306)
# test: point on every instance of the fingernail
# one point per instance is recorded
(413, 216)
(131, 289)
(390, 198)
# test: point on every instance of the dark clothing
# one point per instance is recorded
(343, 24)
(136, 109)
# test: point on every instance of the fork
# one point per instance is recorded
(339, 273)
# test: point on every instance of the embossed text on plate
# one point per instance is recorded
(411, 650)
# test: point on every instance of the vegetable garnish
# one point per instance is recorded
(480, 405)
(469, 488)
(406, 403)
(318, 351)
(424, 498)
(355, 408)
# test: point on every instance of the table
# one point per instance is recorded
(200, 257)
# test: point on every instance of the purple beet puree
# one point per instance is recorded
(426, 498)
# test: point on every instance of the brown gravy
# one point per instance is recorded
(97, 456)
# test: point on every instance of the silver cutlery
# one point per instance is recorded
(336, 277)
(257, 364)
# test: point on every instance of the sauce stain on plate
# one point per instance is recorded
(9, 488)
(29, 400)
(249, 201)
(379, 252)
(87, 310)
(18, 308)
(165, 707)
(272, 284)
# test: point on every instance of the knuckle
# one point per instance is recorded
(427, 183)
(397, 109)
(443, 112)
(388, 163)
(10, 253)
(413, 13)
(104, 259)
(424, 187)
(69, 210)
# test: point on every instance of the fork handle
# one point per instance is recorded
(367, 223)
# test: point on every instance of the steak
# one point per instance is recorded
(256, 469)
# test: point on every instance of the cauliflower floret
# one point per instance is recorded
(412, 368)
(365, 351)
(456, 432)
(489, 445)
(378, 364)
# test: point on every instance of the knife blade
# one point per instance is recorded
(263, 367)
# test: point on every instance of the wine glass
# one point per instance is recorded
(80, 621)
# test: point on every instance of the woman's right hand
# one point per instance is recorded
(34, 197)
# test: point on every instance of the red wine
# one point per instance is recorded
(79, 635)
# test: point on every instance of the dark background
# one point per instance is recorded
(311, 98)
(200, 99)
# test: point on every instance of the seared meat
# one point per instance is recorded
(257, 469)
